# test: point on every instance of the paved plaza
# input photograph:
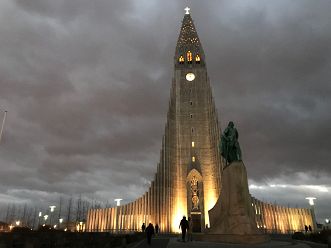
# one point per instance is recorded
(173, 242)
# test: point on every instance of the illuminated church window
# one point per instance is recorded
(197, 59)
(181, 59)
(193, 144)
(189, 57)
(193, 159)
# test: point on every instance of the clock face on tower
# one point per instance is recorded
(190, 76)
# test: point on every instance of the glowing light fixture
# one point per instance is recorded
(17, 223)
(60, 220)
(45, 217)
(52, 208)
(40, 214)
(118, 201)
(311, 200)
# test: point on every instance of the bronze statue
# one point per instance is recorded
(229, 145)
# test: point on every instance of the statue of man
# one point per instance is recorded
(229, 146)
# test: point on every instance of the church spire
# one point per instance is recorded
(188, 47)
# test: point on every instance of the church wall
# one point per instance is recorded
(269, 218)
(280, 219)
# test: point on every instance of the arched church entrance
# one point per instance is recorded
(195, 197)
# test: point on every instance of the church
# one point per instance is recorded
(189, 173)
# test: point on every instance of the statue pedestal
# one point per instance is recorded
(232, 218)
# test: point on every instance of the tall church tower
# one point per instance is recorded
(187, 181)
(194, 131)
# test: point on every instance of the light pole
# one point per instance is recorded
(52, 208)
(118, 202)
(45, 218)
(60, 222)
(312, 204)
(39, 216)
(3, 124)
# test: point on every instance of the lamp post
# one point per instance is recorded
(60, 222)
(52, 208)
(312, 204)
(3, 124)
(118, 202)
(45, 218)
(39, 216)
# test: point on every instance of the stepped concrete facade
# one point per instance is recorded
(188, 177)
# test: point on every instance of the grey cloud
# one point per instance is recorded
(87, 85)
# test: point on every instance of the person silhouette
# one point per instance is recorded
(157, 229)
(149, 232)
(184, 226)
(143, 227)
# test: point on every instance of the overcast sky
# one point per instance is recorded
(87, 83)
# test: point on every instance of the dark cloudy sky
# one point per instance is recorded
(86, 85)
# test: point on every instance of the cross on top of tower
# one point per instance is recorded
(187, 9)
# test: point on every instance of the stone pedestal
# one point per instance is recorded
(232, 218)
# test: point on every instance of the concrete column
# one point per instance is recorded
(88, 221)
(149, 204)
(134, 215)
(131, 216)
(146, 208)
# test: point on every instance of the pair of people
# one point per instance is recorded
(150, 231)
(186, 226)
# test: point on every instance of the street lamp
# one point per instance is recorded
(52, 208)
(311, 200)
(118, 202)
(312, 204)
(40, 215)
(45, 218)
(3, 124)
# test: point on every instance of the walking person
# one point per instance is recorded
(149, 232)
(306, 228)
(190, 229)
(143, 227)
(184, 226)
(157, 229)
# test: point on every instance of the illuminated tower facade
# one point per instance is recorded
(194, 132)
